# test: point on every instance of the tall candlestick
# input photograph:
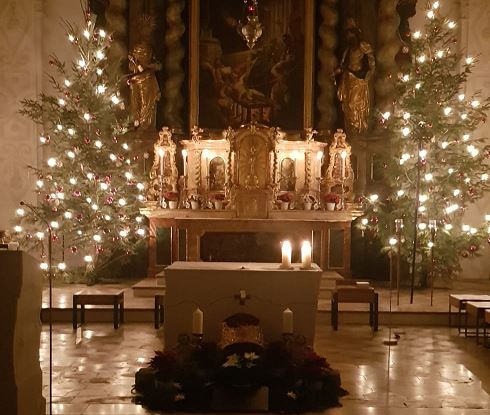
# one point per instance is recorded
(287, 321)
(286, 251)
(343, 155)
(184, 156)
(197, 321)
(306, 255)
(161, 154)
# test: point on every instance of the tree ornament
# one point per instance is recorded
(465, 254)
(488, 240)
(374, 220)
(473, 248)
(74, 249)
(77, 193)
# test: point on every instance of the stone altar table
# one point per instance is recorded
(213, 287)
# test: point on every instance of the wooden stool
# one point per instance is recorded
(98, 297)
(355, 295)
(477, 310)
(459, 301)
(486, 323)
(159, 310)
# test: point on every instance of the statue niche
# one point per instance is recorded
(217, 168)
(288, 176)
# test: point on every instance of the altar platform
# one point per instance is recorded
(140, 309)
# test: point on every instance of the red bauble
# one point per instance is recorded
(79, 217)
(77, 193)
(99, 249)
(86, 140)
(488, 239)
(374, 220)
(109, 200)
(473, 248)
(54, 237)
(74, 249)
(465, 254)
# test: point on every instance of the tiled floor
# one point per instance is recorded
(431, 371)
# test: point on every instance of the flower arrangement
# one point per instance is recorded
(307, 198)
(194, 197)
(331, 198)
(217, 197)
(298, 379)
(285, 197)
(171, 196)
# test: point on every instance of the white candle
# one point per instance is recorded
(343, 155)
(287, 321)
(319, 157)
(161, 154)
(286, 251)
(306, 255)
(197, 321)
(184, 156)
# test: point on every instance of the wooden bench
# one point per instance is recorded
(476, 309)
(355, 295)
(486, 323)
(459, 301)
(98, 297)
(159, 310)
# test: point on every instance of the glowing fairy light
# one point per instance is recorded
(405, 131)
(51, 162)
(68, 215)
(417, 34)
(115, 100)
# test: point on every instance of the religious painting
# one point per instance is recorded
(237, 85)
(217, 174)
(288, 177)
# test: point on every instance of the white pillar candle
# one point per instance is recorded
(306, 254)
(286, 251)
(319, 158)
(161, 154)
(287, 321)
(197, 321)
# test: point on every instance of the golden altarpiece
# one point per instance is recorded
(238, 151)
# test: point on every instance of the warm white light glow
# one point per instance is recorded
(62, 102)
(475, 103)
(431, 14)
(128, 175)
(465, 228)
(18, 228)
(422, 226)
(400, 193)
(71, 131)
(61, 266)
(54, 224)
(417, 34)
(122, 202)
(393, 241)
(448, 226)
(139, 219)
(104, 186)
(406, 78)
(447, 111)
(102, 33)
(51, 162)
(428, 177)
(113, 157)
(469, 60)
(466, 137)
(386, 115)
(73, 180)
(82, 64)
(444, 144)
(440, 54)
(140, 232)
(68, 215)
(99, 71)
(95, 206)
(364, 221)
(435, 5)
(100, 89)
(373, 197)
(450, 170)
(98, 144)
(140, 186)
(406, 115)
(70, 154)
(88, 258)
(423, 198)
(40, 235)
(44, 266)
(484, 176)
(20, 212)
(86, 33)
(405, 131)
(100, 54)
(123, 233)
(421, 59)
(464, 116)
(125, 146)
(115, 99)
(71, 38)
(423, 153)
(418, 85)
(86, 116)
(451, 24)
(39, 183)
(90, 176)
(97, 238)
(461, 97)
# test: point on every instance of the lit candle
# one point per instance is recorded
(197, 321)
(286, 251)
(205, 153)
(319, 157)
(343, 155)
(398, 225)
(306, 255)
(184, 156)
(287, 321)
(161, 153)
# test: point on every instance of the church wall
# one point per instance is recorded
(31, 31)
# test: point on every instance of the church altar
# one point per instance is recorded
(252, 179)
(221, 289)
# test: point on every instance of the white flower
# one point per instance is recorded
(179, 397)
(232, 360)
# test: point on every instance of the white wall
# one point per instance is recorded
(30, 30)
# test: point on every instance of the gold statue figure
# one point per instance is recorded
(356, 68)
(145, 91)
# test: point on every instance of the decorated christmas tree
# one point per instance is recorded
(88, 192)
(438, 164)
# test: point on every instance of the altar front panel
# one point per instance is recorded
(213, 287)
